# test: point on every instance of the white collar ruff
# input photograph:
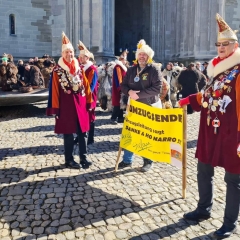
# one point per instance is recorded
(121, 65)
(65, 67)
(87, 65)
(224, 65)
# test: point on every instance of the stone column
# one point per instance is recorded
(157, 29)
(59, 24)
(184, 30)
(108, 27)
(232, 14)
(92, 22)
(74, 24)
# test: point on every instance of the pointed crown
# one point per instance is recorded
(124, 55)
(66, 44)
(143, 47)
(83, 50)
(224, 31)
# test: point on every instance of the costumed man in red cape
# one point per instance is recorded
(119, 72)
(219, 132)
(69, 100)
(92, 77)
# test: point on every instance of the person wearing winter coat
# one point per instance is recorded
(218, 142)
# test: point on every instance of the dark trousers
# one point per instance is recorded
(117, 113)
(205, 189)
(68, 140)
(189, 108)
(91, 132)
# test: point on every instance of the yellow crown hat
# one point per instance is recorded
(143, 47)
(224, 31)
(83, 50)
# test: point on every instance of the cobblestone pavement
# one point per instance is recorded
(40, 199)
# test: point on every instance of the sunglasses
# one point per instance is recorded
(224, 44)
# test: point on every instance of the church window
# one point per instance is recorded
(12, 24)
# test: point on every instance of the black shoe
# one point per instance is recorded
(90, 142)
(75, 141)
(195, 216)
(123, 165)
(146, 165)
(85, 163)
(114, 121)
(72, 164)
(224, 232)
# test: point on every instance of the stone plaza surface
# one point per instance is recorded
(40, 199)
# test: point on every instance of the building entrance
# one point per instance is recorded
(132, 23)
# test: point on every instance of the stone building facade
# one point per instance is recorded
(177, 30)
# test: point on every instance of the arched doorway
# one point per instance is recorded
(132, 23)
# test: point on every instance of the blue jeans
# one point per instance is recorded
(128, 157)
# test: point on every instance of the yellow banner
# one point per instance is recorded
(153, 133)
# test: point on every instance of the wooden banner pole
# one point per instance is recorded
(118, 158)
(184, 159)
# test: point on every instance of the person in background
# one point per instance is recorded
(21, 69)
(33, 76)
(35, 61)
(205, 65)
(90, 72)
(119, 72)
(8, 73)
(188, 80)
(47, 71)
(182, 66)
(167, 74)
(198, 66)
(31, 61)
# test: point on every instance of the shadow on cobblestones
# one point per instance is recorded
(192, 144)
(36, 129)
(98, 132)
(172, 229)
(102, 113)
(59, 203)
(97, 147)
(18, 174)
(108, 131)
(37, 150)
(24, 111)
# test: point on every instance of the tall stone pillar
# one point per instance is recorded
(205, 32)
(232, 14)
(157, 29)
(184, 30)
(107, 27)
(92, 22)
(59, 22)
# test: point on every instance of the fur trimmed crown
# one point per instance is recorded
(124, 55)
(224, 31)
(66, 44)
(143, 47)
(83, 50)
